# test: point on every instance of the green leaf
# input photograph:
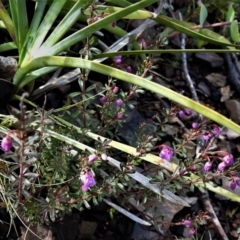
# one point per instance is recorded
(234, 31)
(87, 31)
(7, 22)
(203, 14)
(133, 79)
(230, 13)
(184, 27)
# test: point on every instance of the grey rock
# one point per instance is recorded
(131, 125)
(233, 107)
(212, 58)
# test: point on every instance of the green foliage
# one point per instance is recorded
(42, 174)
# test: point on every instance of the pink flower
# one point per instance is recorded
(92, 157)
(187, 223)
(166, 153)
(221, 166)
(103, 99)
(228, 159)
(6, 143)
(87, 180)
(119, 102)
(207, 166)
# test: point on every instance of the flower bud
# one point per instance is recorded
(187, 223)
(238, 181)
(104, 156)
(188, 111)
(119, 102)
(181, 114)
(92, 157)
(119, 116)
(118, 59)
(221, 166)
(115, 89)
(192, 231)
(233, 185)
(192, 168)
(194, 125)
(103, 99)
(228, 159)
(129, 69)
(6, 143)
(114, 24)
(216, 130)
(207, 166)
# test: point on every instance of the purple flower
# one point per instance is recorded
(129, 69)
(118, 59)
(87, 180)
(216, 130)
(228, 160)
(238, 181)
(181, 114)
(207, 166)
(6, 143)
(187, 223)
(119, 102)
(119, 116)
(115, 89)
(104, 156)
(188, 111)
(233, 185)
(166, 153)
(221, 166)
(207, 136)
(92, 157)
(192, 231)
(194, 125)
(114, 24)
(103, 99)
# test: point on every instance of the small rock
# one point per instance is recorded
(231, 134)
(142, 234)
(233, 107)
(202, 86)
(226, 93)
(169, 71)
(212, 58)
(216, 79)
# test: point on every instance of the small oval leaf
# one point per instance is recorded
(230, 13)
(203, 14)
(234, 31)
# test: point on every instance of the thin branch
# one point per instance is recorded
(208, 207)
(185, 67)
